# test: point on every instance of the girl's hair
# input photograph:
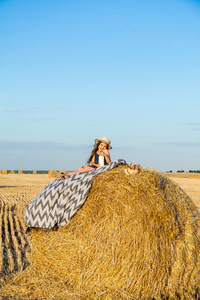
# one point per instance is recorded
(94, 151)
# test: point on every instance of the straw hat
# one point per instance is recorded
(104, 139)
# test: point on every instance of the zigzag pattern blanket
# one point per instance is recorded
(59, 201)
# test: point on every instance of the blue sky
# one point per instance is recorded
(74, 71)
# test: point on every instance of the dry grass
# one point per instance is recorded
(136, 237)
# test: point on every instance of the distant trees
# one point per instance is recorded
(182, 171)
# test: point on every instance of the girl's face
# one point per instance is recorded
(102, 146)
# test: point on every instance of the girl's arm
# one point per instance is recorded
(106, 154)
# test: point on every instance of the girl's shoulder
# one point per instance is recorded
(95, 154)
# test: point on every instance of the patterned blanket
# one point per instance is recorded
(59, 201)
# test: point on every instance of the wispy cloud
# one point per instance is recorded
(5, 101)
(10, 110)
(181, 144)
(43, 106)
(194, 126)
(41, 146)
(194, 123)
(32, 107)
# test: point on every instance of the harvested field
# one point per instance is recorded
(16, 192)
(190, 183)
(50, 250)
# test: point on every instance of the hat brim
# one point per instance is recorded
(97, 141)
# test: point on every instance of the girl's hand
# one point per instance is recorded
(101, 153)
(97, 165)
(104, 153)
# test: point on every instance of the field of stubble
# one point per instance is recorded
(17, 191)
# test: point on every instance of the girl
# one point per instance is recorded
(100, 149)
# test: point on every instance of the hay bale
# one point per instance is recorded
(20, 172)
(4, 172)
(12, 172)
(136, 237)
(34, 172)
(63, 171)
(53, 174)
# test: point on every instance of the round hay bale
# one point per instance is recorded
(20, 172)
(34, 172)
(12, 172)
(53, 174)
(4, 172)
(63, 171)
(136, 237)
